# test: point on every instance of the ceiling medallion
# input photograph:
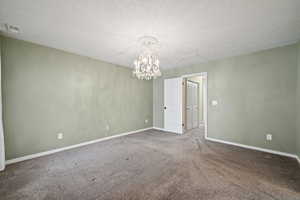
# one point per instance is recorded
(146, 65)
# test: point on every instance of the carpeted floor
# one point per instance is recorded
(154, 165)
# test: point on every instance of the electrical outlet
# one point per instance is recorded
(214, 102)
(60, 136)
(107, 127)
(269, 137)
(146, 121)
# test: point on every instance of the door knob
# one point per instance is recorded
(165, 108)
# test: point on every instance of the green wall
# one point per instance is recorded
(47, 91)
(256, 95)
(298, 105)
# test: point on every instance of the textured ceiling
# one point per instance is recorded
(190, 31)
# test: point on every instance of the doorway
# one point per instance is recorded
(195, 102)
(181, 113)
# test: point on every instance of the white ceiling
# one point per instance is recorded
(190, 31)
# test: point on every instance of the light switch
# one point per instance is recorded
(214, 102)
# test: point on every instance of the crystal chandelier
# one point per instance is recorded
(146, 65)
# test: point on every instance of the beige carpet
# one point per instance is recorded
(154, 165)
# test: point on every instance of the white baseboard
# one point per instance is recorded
(160, 129)
(28, 157)
(247, 146)
(254, 148)
(298, 159)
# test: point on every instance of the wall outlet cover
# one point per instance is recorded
(214, 102)
(60, 136)
(269, 137)
(146, 121)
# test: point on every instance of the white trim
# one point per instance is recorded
(205, 102)
(28, 157)
(194, 74)
(298, 159)
(254, 148)
(157, 128)
(36, 155)
(162, 129)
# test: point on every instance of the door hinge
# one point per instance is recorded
(183, 125)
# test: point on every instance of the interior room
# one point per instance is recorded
(181, 100)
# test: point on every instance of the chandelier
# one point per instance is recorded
(146, 65)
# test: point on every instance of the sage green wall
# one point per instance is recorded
(47, 91)
(256, 94)
(298, 104)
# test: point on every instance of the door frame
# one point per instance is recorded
(205, 97)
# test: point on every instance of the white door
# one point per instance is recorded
(189, 106)
(195, 105)
(192, 105)
(173, 105)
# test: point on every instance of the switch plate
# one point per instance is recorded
(107, 127)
